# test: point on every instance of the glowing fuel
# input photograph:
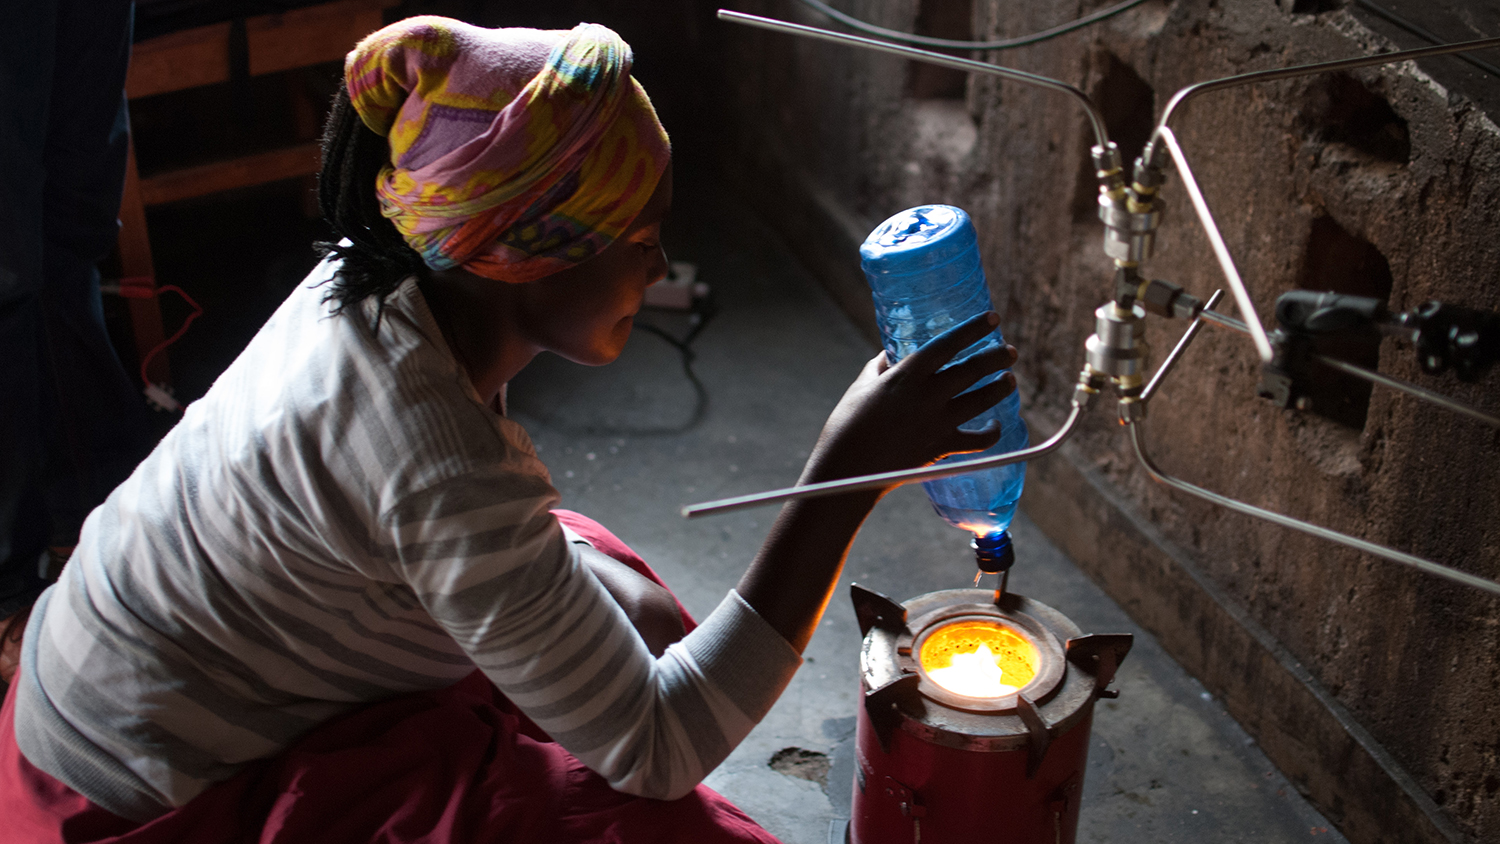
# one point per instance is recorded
(977, 675)
(981, 659)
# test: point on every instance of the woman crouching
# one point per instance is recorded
(272, 629)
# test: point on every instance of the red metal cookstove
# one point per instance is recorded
(976, 720)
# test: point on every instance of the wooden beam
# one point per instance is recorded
(258, 169)
(277, 42)
(134, 246)
(179, 60)
(316, 34)
(196, 57)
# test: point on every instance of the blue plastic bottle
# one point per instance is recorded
(923, 268)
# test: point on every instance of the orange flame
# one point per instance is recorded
(979, 659)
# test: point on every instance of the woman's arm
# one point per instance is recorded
(648, 605)
(891, 417)
(489, 563)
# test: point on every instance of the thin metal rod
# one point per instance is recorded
(885, 479)
(1408, 388)
(1096, 119)
(1369, 375)
(1225, 320)
(1194, 90)
(952, 44)
(1221, 251)
(1295, 524)
(1187, 337)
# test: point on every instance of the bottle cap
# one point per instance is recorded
(993, 552)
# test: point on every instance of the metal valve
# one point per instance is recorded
(1131, 214)
(1109, 168)
(1118, 346)
(1118, 349)
(1128, 235)
(1162, 298)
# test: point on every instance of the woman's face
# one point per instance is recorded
(585, 313)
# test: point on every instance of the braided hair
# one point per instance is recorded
(377, 259)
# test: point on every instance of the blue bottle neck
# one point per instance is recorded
(993, 552)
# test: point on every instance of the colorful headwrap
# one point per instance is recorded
(515, 153)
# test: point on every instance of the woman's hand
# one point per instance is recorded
(891, 417)
(907, 415)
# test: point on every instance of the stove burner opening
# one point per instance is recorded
(979, 658)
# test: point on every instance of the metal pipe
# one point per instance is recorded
(1221, 251)
(1321, 532)
(1182, 344)
(1096, 119)
(1225, 320)
(952, 44)
(1410, 389)
(1194, 90)
(886, 479)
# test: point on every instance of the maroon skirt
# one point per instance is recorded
(459, 765)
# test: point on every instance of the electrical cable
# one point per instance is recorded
(952, 44)
(703, 312)
(145, 287)
(1416, 30)
(177, 335)
(684, 346)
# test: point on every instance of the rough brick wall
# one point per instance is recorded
(1379, 182)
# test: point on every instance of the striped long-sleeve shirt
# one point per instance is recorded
(339, 520)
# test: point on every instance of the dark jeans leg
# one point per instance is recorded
(101, 427)
(26, 63)
(72, 422)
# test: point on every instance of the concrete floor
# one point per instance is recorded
(630, 443)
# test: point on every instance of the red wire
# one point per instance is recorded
(197, 312)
